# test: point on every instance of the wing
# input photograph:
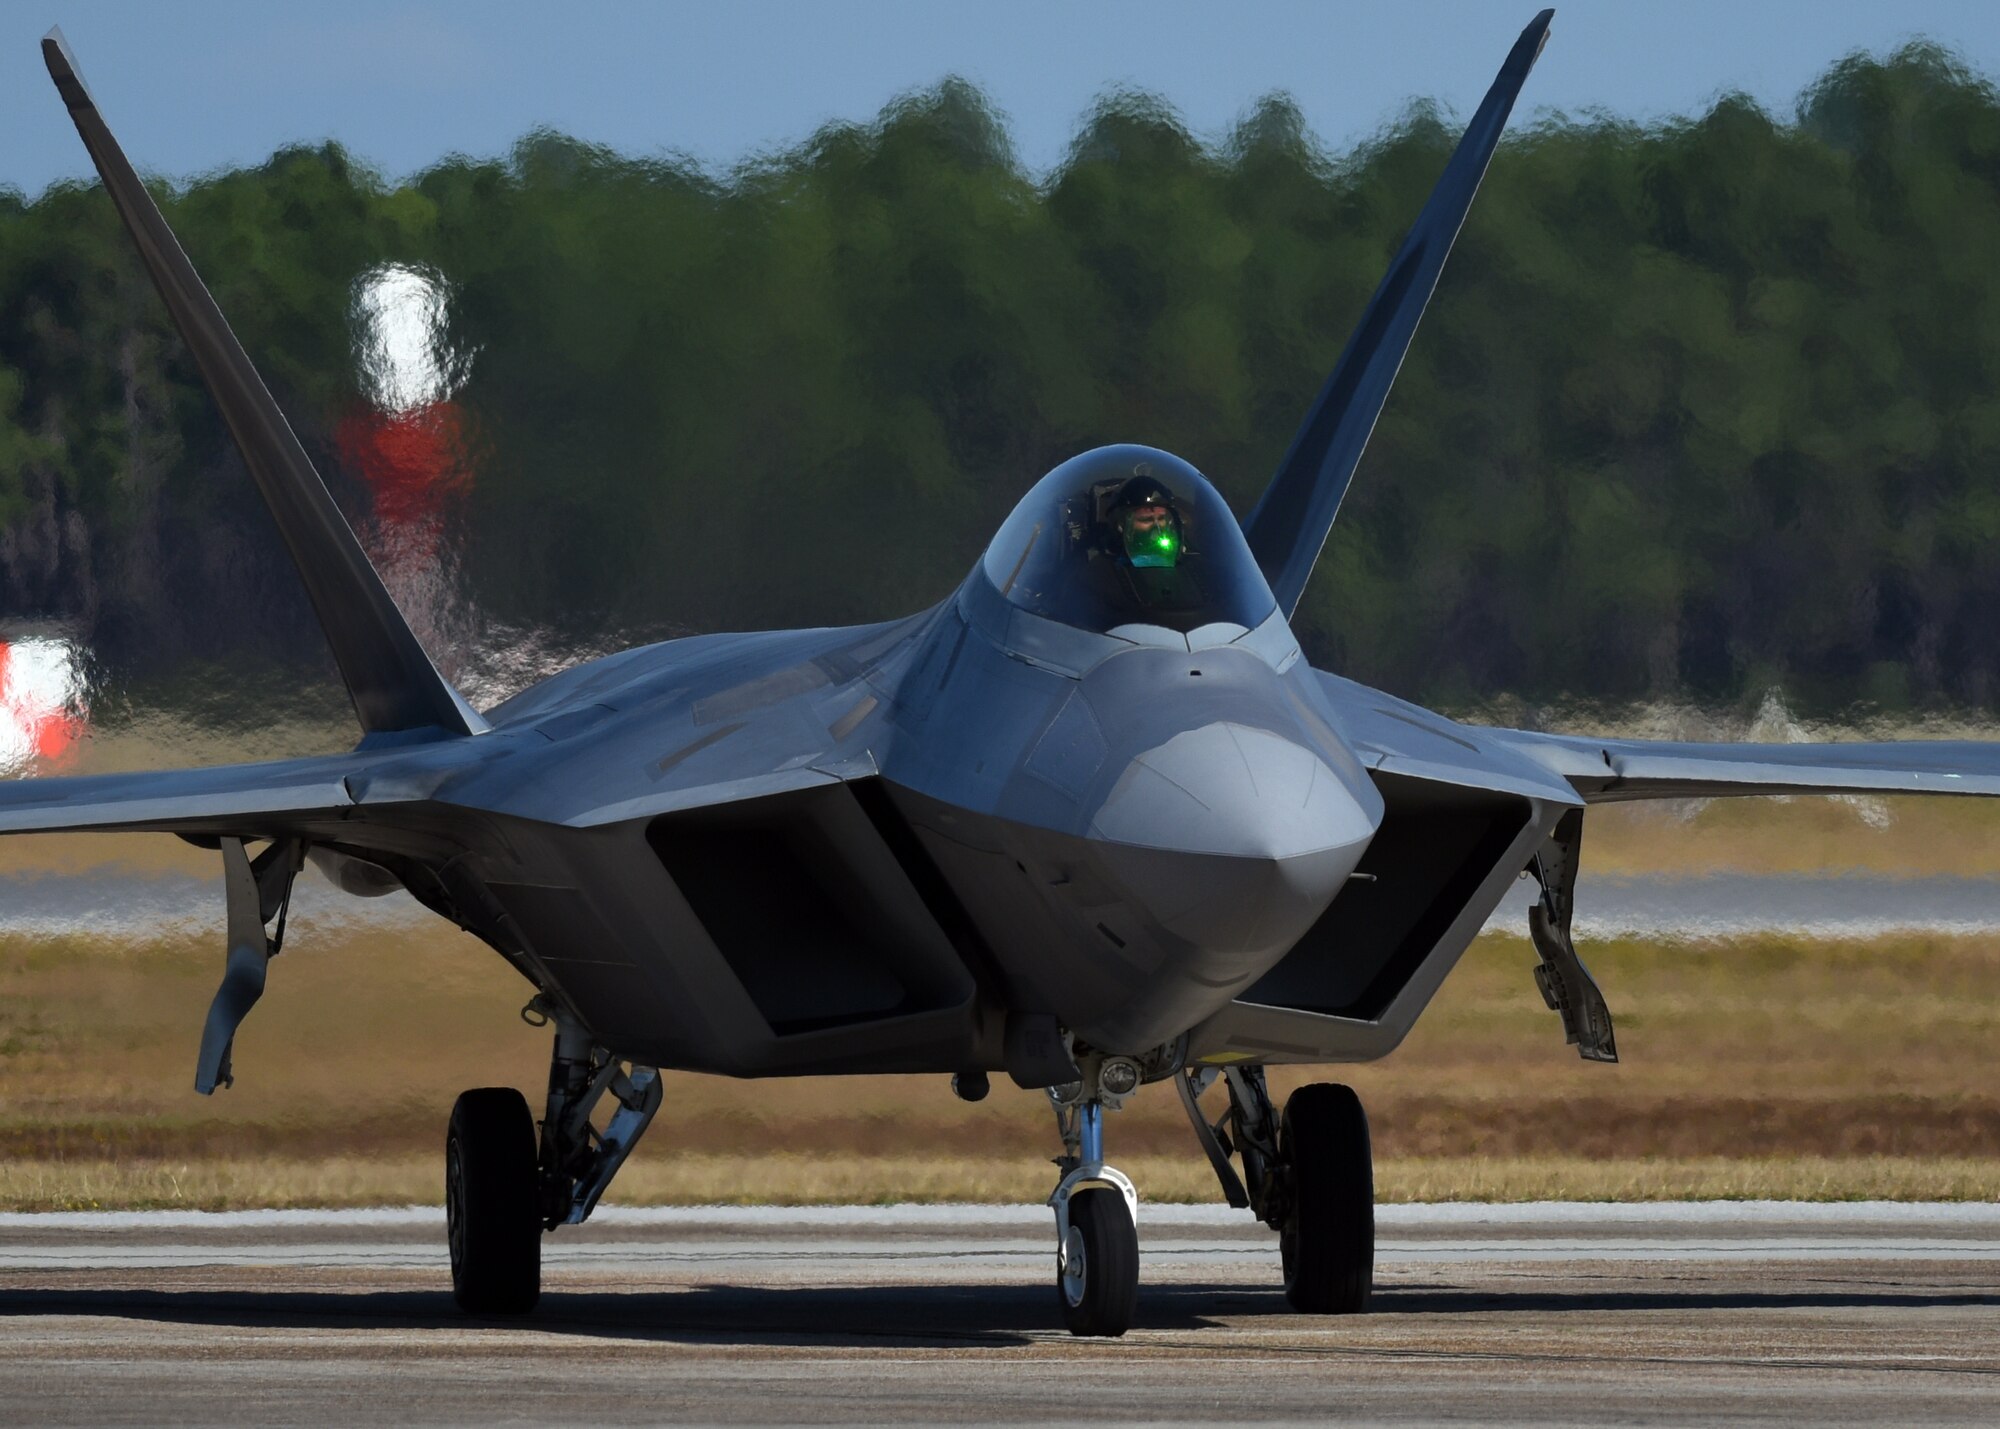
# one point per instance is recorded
(241, 799)
(1394, 736)
(1401, 738)
(1607, 771)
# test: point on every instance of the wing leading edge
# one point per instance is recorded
(1398, 737)
(1608, 771)
(250, 800)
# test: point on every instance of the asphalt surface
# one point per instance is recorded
(1563, 1314)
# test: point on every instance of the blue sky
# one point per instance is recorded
(194, 85)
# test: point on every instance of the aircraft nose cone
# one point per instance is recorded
(1236, 791)
(1235, 839)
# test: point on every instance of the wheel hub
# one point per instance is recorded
(1075, 1272)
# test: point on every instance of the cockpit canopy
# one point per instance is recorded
(1128, 535)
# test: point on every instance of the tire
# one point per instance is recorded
(492, 1203)
(1328, 1235)
(1099, 1283)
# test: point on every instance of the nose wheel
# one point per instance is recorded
(1097, 1210)
(1097, 1269)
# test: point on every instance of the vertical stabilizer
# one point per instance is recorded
(392, 681)
(1295, 514)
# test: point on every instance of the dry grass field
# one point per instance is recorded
(1762, 1066)
(1753, 1067)
(1903, 836)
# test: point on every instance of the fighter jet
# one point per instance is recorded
(1090, 821)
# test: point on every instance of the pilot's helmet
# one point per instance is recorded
(1146, 523)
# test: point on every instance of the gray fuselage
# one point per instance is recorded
(869, 848)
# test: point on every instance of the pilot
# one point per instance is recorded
(1148, 527)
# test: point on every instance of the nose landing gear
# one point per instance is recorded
(1096, 1206)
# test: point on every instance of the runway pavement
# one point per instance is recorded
(1552, 1313)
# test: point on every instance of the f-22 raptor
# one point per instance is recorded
(1090, 821)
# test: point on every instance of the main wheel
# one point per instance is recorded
(1098, 1279)
(1328, 1236)
(491, 1209)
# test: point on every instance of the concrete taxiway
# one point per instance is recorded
(1884, 1313)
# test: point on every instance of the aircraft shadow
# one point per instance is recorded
(923, 1316)
(1445, 1300)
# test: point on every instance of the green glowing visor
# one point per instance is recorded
(1152, 536)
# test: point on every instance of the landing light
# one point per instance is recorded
(1119, 1077)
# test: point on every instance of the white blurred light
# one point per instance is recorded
(401, 318)
(41, 700)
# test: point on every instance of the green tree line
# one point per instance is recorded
(1699, 407)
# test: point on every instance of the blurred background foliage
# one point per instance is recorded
(1699, 409)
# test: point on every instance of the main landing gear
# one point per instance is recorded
(1308, 1174)
(503, 1185)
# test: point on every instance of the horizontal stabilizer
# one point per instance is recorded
(1295, 514)
(392, 681)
